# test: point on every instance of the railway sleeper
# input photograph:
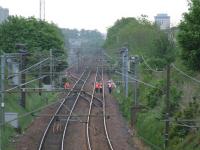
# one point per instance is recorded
(90, 95)
(93, 103)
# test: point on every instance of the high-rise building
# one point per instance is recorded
(4, 13)
(163, 21)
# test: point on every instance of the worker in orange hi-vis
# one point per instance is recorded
(66, 85)
(101, 87)
(97, 87)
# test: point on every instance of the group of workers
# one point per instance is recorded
(99, 86)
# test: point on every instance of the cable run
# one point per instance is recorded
(148, 66)
(25, 83)
(185, 125)
(198, 81)
(147, 84)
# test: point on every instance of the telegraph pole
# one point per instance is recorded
(167, 108)
(2, 100)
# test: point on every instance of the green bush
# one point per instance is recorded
(150, 128)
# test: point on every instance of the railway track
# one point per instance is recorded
(51, 141)
(93, 131)
(97, 134)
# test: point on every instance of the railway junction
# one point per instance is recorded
(81, 118)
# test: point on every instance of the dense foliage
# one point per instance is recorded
(37, 35)
(144, 38)
(141, 37)
(185, 127)
(189, 36)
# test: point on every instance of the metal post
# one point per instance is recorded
(51, 67)
(53, 78)
(2, 100)
(135, 82)
(44, 10)
(40, 80)
(40, 9)
(126, 71)
(167, 108)
(78, 63)
(135, 108)
(23, 80)
(123, 68)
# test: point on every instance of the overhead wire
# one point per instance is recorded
(35, 65)
(23, 71)
(148, 66)
(31, 67)
(147, 84)
(8, 90)
(183, 73)
(150, 85)
(185, 125)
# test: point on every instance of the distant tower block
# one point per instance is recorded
(4, 13)
(163, 21)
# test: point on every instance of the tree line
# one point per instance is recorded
(179, 45)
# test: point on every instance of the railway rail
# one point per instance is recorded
(94, 118)
(52, 141)
(92, 141)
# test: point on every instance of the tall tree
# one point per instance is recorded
(37, 35)
(189, 36)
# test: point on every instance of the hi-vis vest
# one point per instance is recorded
(97, 85)
(100, 85)
(66, 85)
(109, 85)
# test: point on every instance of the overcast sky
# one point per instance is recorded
(96, 14)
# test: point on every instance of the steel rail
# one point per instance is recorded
(89, 113)
(104, 114)
(53, 116)
(104, 117)
(70, 114)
